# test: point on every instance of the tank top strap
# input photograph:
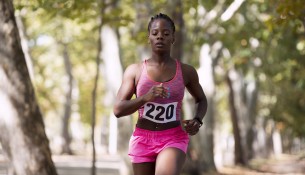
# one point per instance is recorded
(143, 69)
(179, 68)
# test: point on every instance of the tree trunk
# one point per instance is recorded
(260, 142)
(94, 94)
(113, 73)
(303, 19)
(93, 115)
(245, 99)
(22, 133)
(206, 79)
(251, 101)
(239, 159)
(176, 8)
(67, 109)
(202, 145)
(24, 45)
(143, 13)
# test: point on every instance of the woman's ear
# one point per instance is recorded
(148, 39)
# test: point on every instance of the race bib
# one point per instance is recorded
(160, 113)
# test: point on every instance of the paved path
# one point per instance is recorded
(80, 165)
(283, 164)
(114, 165)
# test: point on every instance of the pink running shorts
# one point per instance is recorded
(145, 145)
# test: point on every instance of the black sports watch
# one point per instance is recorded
(199, 121)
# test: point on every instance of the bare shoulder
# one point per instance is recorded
(135, 67)
(132, 69)
(187, 68)
(132, 73)
(189, 73)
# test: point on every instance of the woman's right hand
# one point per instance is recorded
(157, 91)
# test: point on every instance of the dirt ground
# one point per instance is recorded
(280, 165)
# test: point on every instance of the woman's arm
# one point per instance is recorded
(193, 86)
(123, 104)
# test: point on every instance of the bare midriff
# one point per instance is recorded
(153, 126)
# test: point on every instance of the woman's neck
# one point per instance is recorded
(161, 57)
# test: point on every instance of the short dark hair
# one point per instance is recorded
(161, 16)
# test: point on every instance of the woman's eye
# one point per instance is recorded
(166, 33)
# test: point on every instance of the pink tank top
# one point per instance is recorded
(162, 110)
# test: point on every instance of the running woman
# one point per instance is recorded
(159, 142)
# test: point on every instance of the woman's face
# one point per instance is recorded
(161, 35)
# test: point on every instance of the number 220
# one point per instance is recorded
(169, 111)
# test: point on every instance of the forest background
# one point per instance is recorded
(249, 56)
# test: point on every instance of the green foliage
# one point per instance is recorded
(285, 63)
(287, 11)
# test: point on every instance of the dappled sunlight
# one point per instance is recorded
(231, 10)
(7, 110)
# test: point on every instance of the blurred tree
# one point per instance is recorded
(144, 10)
(120, 130)
(95, 87)
(24, 43)
(22, 129)
(234, 81)
(66, 149)
(176, 12)
(62, 26)
(227, 25)
(286, 26)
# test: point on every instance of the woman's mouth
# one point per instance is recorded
(159, 44)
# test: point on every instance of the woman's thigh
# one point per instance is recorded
(170, 161)
(145, 168)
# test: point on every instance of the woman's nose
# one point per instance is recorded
(160, 36)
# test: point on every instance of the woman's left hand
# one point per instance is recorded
(191, 126)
